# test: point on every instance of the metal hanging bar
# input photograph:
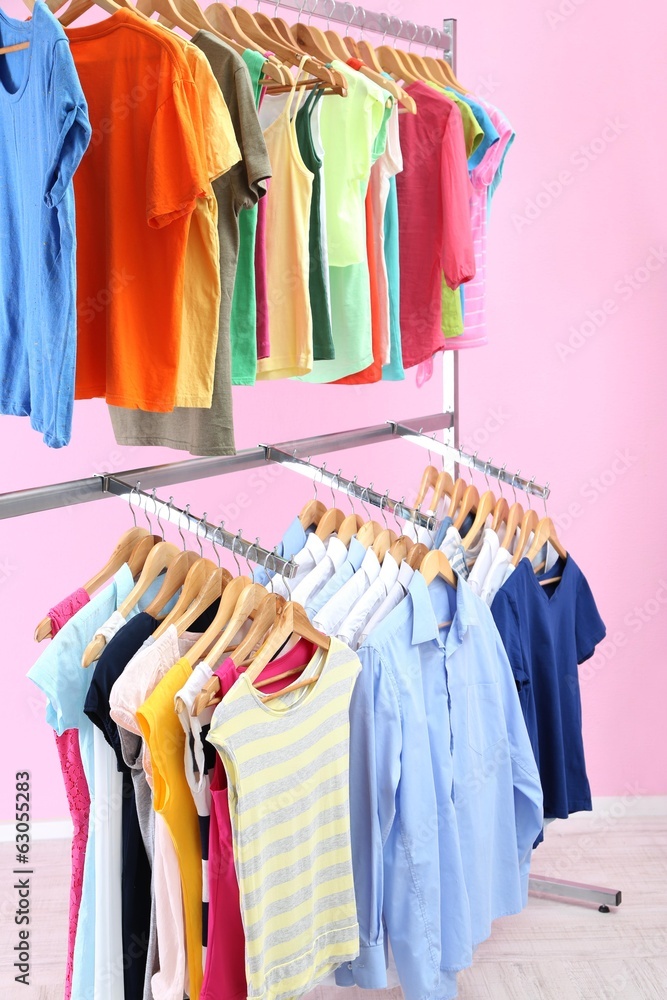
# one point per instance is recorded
(471, 461)
(202, 529)
(77, 491)
(322, 476)
(382, 24)
(560, 888)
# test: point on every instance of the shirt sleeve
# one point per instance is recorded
(528, 805)
(175, 176)
(222, 149)
(507, 622)
(457, 255)
(71, 127)
(375, 762)
(250, 183)
(589, 627)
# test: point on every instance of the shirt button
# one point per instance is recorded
(349, 965)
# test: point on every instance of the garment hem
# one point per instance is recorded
(243, 381)
(286, 369)
(124, 403)
(328, 380)
(163, 442)
(50, 439)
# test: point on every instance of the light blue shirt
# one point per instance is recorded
(292, 542)
(355, 557)
(59, 674)
(45, 128)
(445, 797)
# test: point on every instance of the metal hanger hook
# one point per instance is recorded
(366, 490)
(235, 539)
(266, 559)
(398, 523)
(424, 43)
(301, 5)
(180, 530)
(331, 487)
(220, 528)
(157, 513)
(383, 500)
(500, 479)
(529, 492)
(544, 499)
(385, 24)
(255, 546)
(170, 506)
(414, 35)
(312, 11)
(514, 479)
(201, 521)
(352, 485)
(286, 579)
(134, 516)
(487, 466)
(350, 19)
(473, 466)
(145, 508)
(362, 26)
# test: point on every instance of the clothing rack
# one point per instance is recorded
(381, 23)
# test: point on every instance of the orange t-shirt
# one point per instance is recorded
(135, 191)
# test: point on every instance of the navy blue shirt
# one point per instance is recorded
(547, 632)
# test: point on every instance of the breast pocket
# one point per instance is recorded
(486, 719)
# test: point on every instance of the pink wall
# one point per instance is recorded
(582, 253)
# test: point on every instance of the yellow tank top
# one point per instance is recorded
(164, 734)
(287, 255)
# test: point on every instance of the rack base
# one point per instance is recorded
(558, 888)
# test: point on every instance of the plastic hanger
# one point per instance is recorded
(435, 563)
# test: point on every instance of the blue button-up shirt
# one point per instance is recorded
(292, 542)
(355, 557)
(445, 796)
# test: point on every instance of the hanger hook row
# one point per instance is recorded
(157, 514)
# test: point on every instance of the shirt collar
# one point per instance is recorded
(389, 571)
(424, 620)
(371, 565)
(314, 548)
(355, 553)
(336, 551)
(405, 574)
(293, 540)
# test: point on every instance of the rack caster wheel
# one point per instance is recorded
(603, 909)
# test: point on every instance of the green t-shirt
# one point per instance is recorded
(244, 304)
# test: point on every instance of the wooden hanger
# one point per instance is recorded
(339, 46)
(212, 591)
(469, 503)
(277, 29)
(350, 527)
(485, 507)
(545, 532)
(330, 522)
(159, 558)
(514, 519)
(264, 620)
(292, 620)
(435, 563)
(383, 542)
(313, 40)
(392, 63)
(500, 513)
(528, 526)
(79, 7)
(174, 579)
(312, 514)
(195, 581)
(122, 554)
(352, 46)
(247, 606)
(456, 496)
(187, 16)
(428, 481)
(368, 532)
(418, 553)
(14, 48)
(437, 72)
(292, 55)
(401, 548)
(444, 487)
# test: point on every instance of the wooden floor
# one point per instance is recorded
(552, 951)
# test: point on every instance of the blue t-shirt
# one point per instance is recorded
(547, 632)
(44, 132)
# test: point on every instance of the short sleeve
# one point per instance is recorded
(507, 622)
(251, 182)
(489, 139)
(71, 127)
(589, 627)
(174, 177)
(457, 253)
(221, 148)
